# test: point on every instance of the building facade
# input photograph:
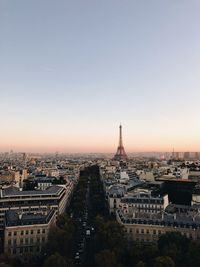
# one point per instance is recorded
(27, 232)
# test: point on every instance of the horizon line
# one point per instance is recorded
(96, 152)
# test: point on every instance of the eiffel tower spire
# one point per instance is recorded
(120, 154)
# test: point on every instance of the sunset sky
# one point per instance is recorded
(72, 70)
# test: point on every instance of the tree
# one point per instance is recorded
(59, 241)
(67, 224)
(6, 260)
(140, 264)
(55, 260)
(110, 234)
(61, 236)
(149, 252)
(174, 245)
(194, 253)
(106, 258)
(163, 261)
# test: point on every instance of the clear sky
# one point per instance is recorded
(72, 70)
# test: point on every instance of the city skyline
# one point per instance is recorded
(102, 150)
(71, 71)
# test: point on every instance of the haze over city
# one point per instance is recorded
(71, 71)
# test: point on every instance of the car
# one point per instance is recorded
(87, 232)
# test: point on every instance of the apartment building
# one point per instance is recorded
(142, 201)
(13, 199)
(148, 229)
(27, 232)
(146, 218)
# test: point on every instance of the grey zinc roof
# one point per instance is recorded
(167, 220)
(12, 218)
(14, 191)
(116, 189)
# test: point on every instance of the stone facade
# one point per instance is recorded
(27, 233)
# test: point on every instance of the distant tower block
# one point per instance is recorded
(197, 155)
(186, 155)
(24, 156)
(121, 154)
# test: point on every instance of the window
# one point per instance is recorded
(154, 232)
(142, 231)
(10, 234)
(43, 231)
(31, 232)
(26, 241)
(15, 233)
(26, 232)
(38, 231)
(22, 232)
(21, 241)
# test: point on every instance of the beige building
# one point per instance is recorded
(8, 176)
(20, 176)
(25, 232)
(146, 175)
(148, 227)
(150, 233)
(141, 202)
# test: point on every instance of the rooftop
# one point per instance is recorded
(12, 191)
(174, 215)
(167, 220)
(15, 218)
(117, 190)
(140, 198)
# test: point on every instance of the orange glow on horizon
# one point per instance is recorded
(95, 142)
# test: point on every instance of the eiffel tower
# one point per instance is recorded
(120, 154)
